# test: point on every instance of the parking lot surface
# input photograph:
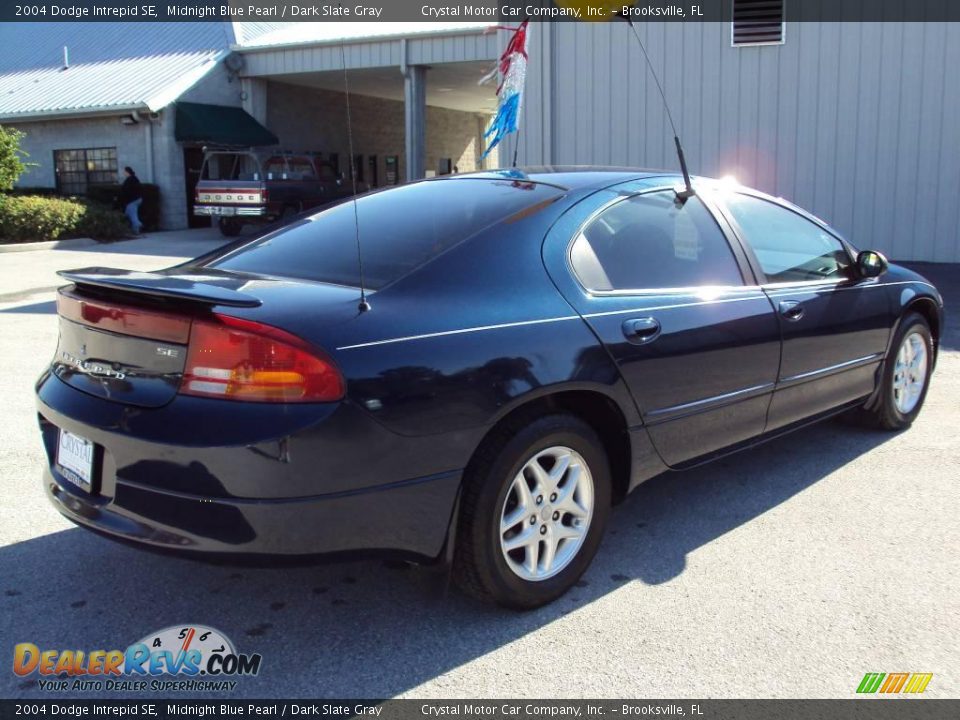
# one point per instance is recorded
(786, 571)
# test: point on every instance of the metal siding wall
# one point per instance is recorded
(858, 122)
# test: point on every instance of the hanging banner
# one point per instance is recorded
(512, 69)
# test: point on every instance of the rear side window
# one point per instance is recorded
(651, 242)
(788, 247)
(401, 229)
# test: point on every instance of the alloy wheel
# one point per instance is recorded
(546, 514)
(910, 372)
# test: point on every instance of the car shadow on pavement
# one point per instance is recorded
(47, 307)
(373, 628)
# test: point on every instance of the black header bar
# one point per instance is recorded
(475, 11)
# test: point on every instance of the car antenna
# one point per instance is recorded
(688, 191)
(364, 306)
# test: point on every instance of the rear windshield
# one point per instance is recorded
(230, 166)
(400, 230)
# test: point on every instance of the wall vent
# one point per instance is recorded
(757, 22)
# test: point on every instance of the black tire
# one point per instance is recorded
(883, 412)
(230, 227)
(289, 211)
(479, 566)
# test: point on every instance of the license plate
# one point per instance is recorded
(75, 459)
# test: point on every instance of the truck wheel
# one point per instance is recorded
(230, 227)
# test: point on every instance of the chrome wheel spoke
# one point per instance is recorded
(531, 562)
(522, 539)
(520, 487)
(568, 532)
(514, 518)
(549, 553)
(558, 470)
(567, 490)
(572, 507)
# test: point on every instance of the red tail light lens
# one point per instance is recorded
(236, 359)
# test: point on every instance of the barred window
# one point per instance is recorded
(79, 169)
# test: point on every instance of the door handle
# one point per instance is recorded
(791, 310)
(641, 330)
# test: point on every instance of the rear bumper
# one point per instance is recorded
(204, 477)
(296, 529)
(229, 211)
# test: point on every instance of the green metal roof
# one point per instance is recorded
(220, 125)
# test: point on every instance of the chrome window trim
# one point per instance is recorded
(653, 308)
(694, 290)
(837, 287)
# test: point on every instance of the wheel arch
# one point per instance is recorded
(598, 409)
(927, 308)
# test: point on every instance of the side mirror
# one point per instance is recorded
(871, 264)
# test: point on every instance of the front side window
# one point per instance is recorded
(79, 169)
(788, 247)
(651, 242)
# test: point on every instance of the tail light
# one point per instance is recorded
(265, 196)
(236, 359)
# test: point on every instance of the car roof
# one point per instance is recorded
(566, 177)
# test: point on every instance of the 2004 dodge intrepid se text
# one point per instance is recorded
(537, 343)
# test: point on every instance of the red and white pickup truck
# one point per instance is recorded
(244, 186)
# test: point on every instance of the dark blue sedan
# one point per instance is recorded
(535, 345)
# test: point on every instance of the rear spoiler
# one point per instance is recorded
(192, 288)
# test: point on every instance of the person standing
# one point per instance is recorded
(130, 199)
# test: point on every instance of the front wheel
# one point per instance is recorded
(534, 507)
(906, 376)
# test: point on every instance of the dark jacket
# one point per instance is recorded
(129, 191)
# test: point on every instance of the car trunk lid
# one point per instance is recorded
(132, 337)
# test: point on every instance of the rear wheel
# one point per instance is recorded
(534, 507)
(230, 227)
(906, 377)
(289, 211)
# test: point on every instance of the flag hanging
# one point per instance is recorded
(512, 69)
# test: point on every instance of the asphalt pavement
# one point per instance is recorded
(786, 571)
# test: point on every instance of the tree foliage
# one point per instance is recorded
(11, 157)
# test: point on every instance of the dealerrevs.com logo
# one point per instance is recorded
(180, 657)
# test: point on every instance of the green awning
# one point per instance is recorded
(219, 125)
